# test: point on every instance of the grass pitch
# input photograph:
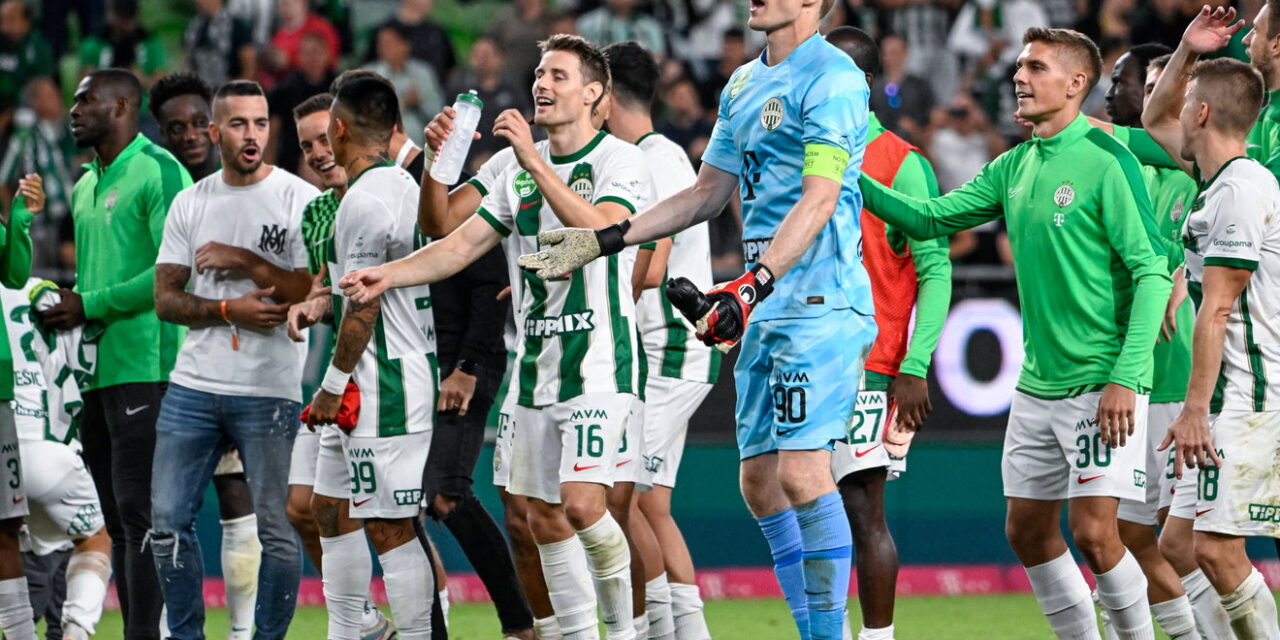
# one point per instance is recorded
(1003, 617)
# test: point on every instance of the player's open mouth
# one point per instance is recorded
(250, 154)
(756, 4)
(1023, 95)
(543, 101)
(328, 167)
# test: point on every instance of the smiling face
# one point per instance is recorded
(561, 94)
(313, 137)
(1046, 82)
(184, 129)
(241, 127)
(1125, 97)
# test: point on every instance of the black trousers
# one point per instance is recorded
(119, 437)
(47, 588)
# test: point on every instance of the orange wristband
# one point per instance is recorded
(222, 311)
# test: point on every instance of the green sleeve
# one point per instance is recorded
(138, 293)
(1135, 237)
(933, 271)
(1144, 147)
(970, 205)
(15, 257)
(155, 57)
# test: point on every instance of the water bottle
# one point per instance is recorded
(447, 167)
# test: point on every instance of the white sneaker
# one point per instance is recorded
(73, 631)
(377, 626)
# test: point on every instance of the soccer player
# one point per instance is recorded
(63, 503)
(577, 374)
(791, 125)
(181, 103)
(231, 262)
(1079, 218)
(904, 274)
(681, 368)
(385, 348)
(1202, 112)
(119, 208)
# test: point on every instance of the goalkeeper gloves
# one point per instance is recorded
(720, 315)
(567, 250)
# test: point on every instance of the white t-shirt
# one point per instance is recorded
(670, 344)
(1234, 223)
(266, 219)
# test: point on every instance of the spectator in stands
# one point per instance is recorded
(311, 78)
(24, 54)
(416, 84)
(685, 121)
(901, 100)
(427, 39)
(563, 23)
(219, 45)
(1161, 21)
(619, 21)
(960, 140)
(488, 77)
(125, 44)
(925, 24)
(989, 34)
(517, 31)
(287, 52)
(55, 21)
(260, 15)
(733, 54)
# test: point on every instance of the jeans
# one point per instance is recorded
(194, 430)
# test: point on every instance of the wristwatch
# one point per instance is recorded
(466, 366)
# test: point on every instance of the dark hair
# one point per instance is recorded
(1233, 90)
(121, 81)
(1076, 44)
(591, 61)
(373, 107)
(1273, 25)
(1144, 54)
(173, 85)
(238, 88)
(859, 45)
(353, 74)
(634, 72)
(314, 104)
(1160, 62)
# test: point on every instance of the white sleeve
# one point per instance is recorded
(372, 228)
(499, 207)
(175, 246)
(1236, 230)
(625, 179)
(486, 176)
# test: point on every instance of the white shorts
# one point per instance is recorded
(64, 503)
(1158, 464)
(302, 462)
(671, 402)
(1242, 497)
(502, 445)
(229, 464)
(1053, 451)
(572, 441)
(13, 495)
(381, 476)
(1182, 496)
(629, 465)
(865, 448)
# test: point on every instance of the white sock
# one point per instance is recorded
(88, 573)
(443, 595)
(241, 558)
(1251, 609)
(1176, 619)
(406, 571)
(347, 570)
(164, 621)
(846, 627)
(1108, 629)
(610, 560)
(1122, 591)
(1211, 618)
(16, 618)
(657, 606)
(547, 628)
(371, 617)
(564, 567)
(1063, 596)
(883, 633)
(686, 608)
(641, 624)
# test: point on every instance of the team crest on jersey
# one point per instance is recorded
(1178, 210)
(582, 180)
(1065, 195)
(524, 184)
(109, 202)
(771, 114)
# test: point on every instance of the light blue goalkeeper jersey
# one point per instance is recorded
(767, 115)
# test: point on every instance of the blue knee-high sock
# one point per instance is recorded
(828, 547)
(783, 534)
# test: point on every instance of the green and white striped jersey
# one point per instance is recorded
(672, 349)
(317, 228)
(397, 374)
(577, 332)
(1234, 223)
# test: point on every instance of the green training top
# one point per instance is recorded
(15, 268)
(1092, 277)
(317, 228)
(931, 258)
(119, 212)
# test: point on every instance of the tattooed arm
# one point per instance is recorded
(354, 333)
(174, 304)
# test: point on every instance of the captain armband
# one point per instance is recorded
(825, 161)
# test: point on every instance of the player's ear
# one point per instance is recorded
(214, 135)
(1202, 114)
(1079, 81)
